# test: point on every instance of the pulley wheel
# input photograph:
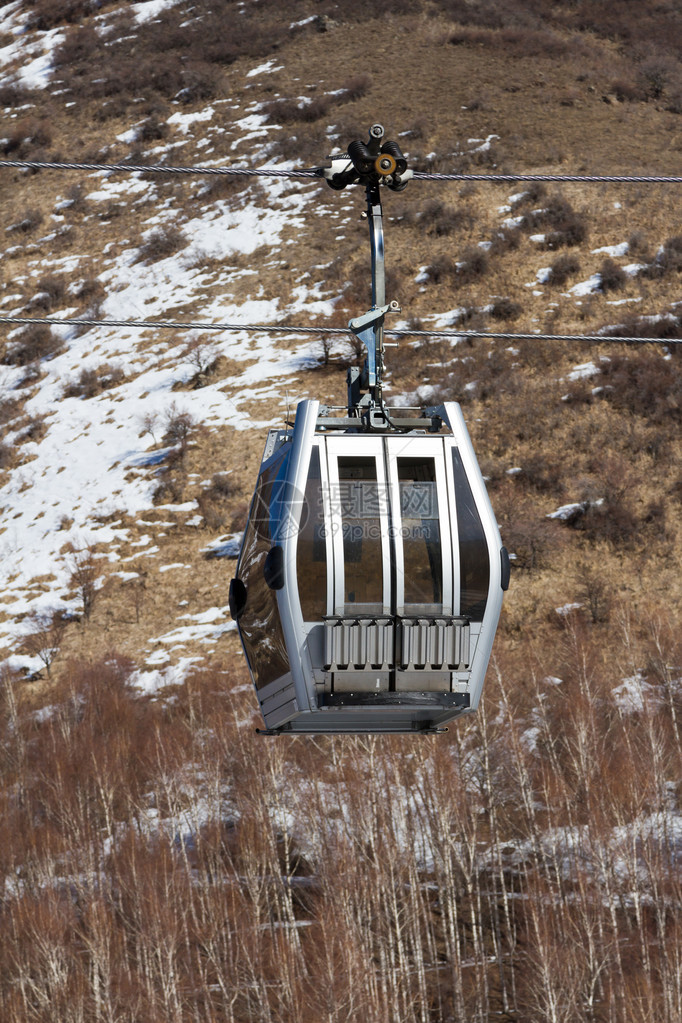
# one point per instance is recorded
(385, 164)
(361, 157)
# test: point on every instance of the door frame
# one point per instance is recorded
(355, 447)
(426, 448)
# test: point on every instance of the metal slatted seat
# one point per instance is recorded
(434, 643)
(358, 643)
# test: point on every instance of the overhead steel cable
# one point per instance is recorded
(271, 328)
(311, 174)
(161, 168)
(634, 179)
(503, 336)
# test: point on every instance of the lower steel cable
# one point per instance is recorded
(272, 328)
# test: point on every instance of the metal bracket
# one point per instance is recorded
(340, 174)
(364, 327)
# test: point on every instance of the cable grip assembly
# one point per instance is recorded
(369, 163)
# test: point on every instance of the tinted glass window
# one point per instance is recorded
(420, 531)
(311, 550)
(361, 524)
(259, 625)
(474, 563)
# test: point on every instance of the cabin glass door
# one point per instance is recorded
(359, 523)
(420, 526)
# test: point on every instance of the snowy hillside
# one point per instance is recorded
(88, 464)
(87, 420)
(93, 466)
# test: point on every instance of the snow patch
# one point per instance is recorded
(566, 511)
(586, 287)
(172, 675)
(183, 122)
(270, 66)
(566, 609)
(635, 694)
(148, 9)
(585, 369)
(613, 250)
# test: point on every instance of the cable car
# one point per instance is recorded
(370, 578)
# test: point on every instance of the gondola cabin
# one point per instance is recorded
(369, 583)
(370, 580)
